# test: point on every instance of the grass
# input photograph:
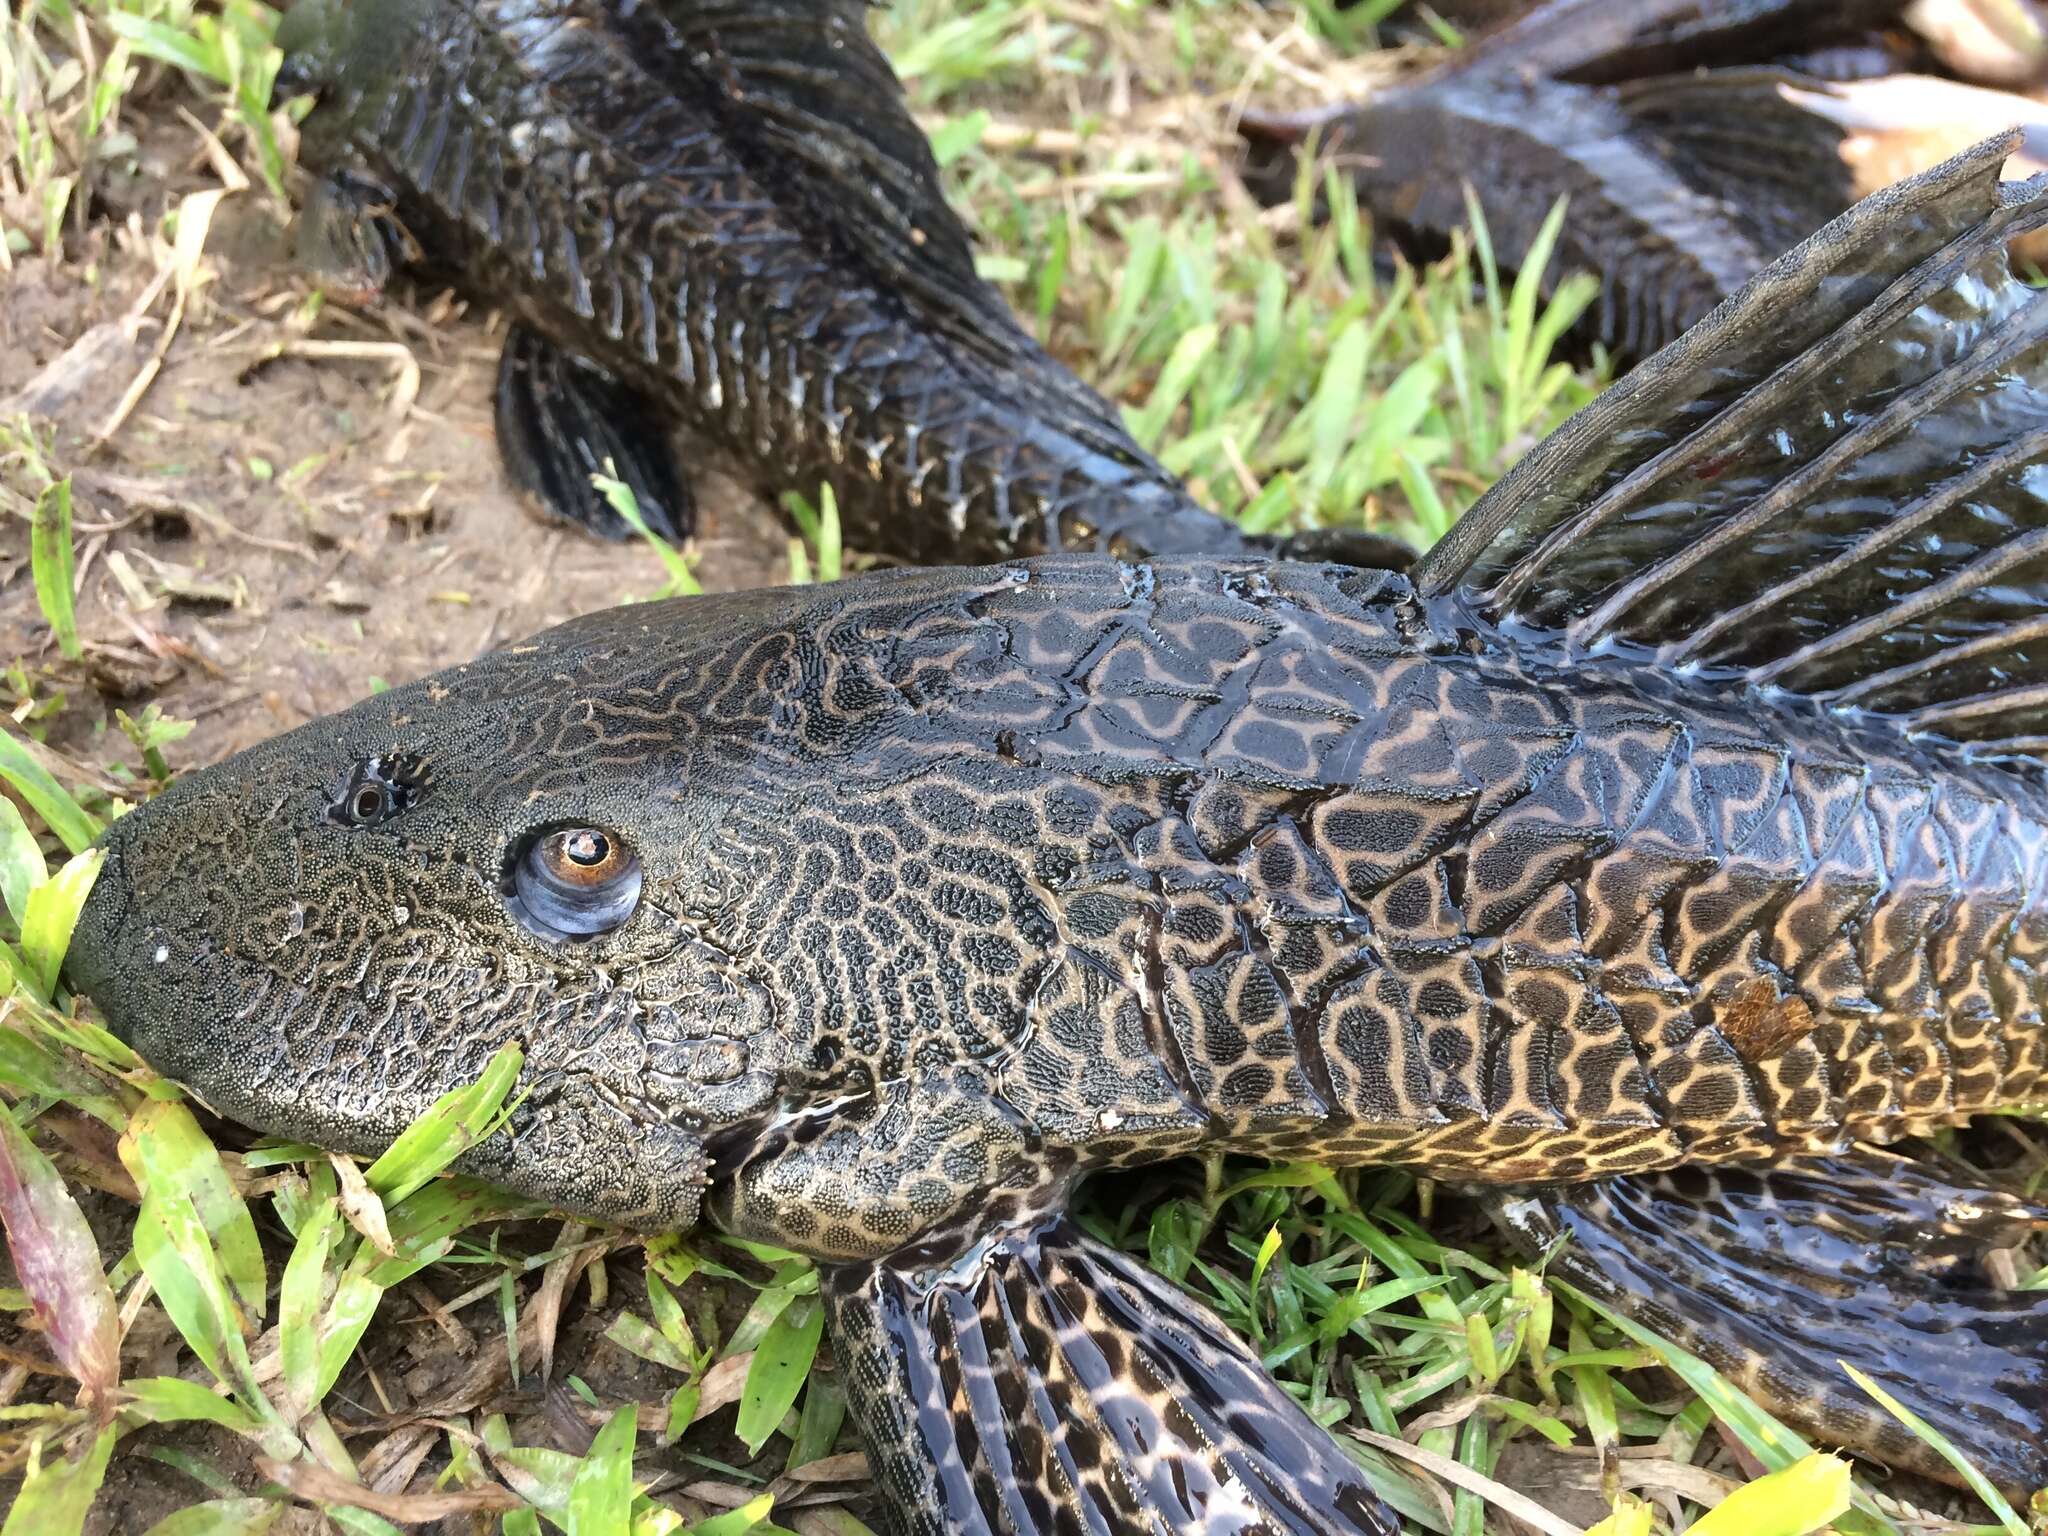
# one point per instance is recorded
(1267, 355)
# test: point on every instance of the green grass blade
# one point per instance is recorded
(175, 1157)
(75, 827)
(601, 1497)
(782, 1361)
(831, 555)
(355, 1302)
(457, 1121)
(51, 913)
(220, 1517)
(50, 556)
(736, 1522)
(174, 1400)
(1793, 1501)
(298, 1306)
(1945, 1449)
(22, 866)
(56, 1494)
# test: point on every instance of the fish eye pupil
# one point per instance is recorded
(369, 802)
(587, 849)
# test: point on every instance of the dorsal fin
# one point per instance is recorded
(1835, 485)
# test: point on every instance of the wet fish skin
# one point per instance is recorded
(634, 183)
(1688, 807)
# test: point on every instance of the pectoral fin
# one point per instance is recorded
(1046, 1383)
(562, 420)
(1779, 1275)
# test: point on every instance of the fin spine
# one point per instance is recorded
(1913, 288)
(1944, 497)
(1986, 567)
(2012, 335)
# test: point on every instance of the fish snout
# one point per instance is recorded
(98, 957)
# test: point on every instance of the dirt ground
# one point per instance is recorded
(292, 526)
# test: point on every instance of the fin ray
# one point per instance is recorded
(1834, 486)
(561, 419)
(1774, 1274)
(1048, 1384)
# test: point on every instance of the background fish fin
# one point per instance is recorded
(1735, 136)
(813, 108)
(1835, 485)
(346, 237)
(1049, 1383)
(1774, 1274)
(1596, 42)
(560, 419)
(801, 83)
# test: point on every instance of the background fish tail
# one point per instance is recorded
(1778, 1275)
(1049, 1383)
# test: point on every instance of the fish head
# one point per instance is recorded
(325, 933)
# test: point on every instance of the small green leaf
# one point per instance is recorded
(457, 1121)
(601, 1497)
(782, 1361)
(221, 1517)
(51, 912)
(954, 137)
(174, 1400)
(635, 1335)
(736, 1522)
(22, 867)
(56, 1494)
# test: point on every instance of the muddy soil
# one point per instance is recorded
(275, 529)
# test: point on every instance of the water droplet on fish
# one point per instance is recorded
(401, 915)
(1109, 1119)
(163, 953)
(295, 921)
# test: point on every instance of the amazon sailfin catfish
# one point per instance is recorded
(1687, 810)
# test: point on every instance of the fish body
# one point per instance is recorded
(1157, 857)
(721, 216)
(1686, 808)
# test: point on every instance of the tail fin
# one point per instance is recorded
(1776, 1275)
(1047, 1383)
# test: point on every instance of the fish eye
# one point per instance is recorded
(575, 882)
(369, 803)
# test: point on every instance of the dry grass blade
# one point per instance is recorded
(317, 1485)
(1458, 1475)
